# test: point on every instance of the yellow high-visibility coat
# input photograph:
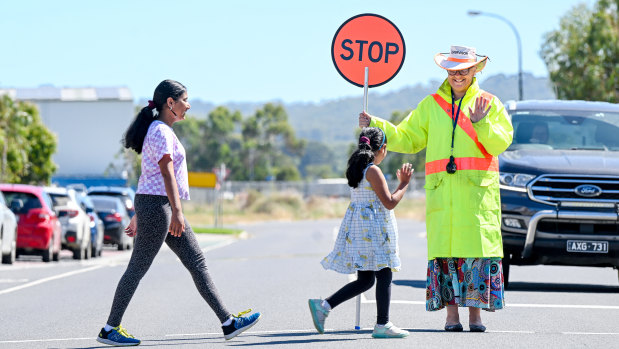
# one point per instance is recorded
(463, 209)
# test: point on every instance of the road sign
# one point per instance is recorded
(202, 179)
(372, 41)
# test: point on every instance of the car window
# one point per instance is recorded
(566, 130)
(102, 204)
(59, 199)
(30, 201)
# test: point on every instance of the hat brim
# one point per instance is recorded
(442, 62)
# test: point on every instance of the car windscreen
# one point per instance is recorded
(105, 204)
(565, 130)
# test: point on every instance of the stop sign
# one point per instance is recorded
(368, 40)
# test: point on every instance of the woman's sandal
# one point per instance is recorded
(454, 328)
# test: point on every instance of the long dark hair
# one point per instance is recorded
(364, 154)
(134, 137)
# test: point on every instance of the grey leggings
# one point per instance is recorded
(154, 216)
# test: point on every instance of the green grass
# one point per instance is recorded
(211, 230)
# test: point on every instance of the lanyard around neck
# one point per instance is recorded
(455, 119)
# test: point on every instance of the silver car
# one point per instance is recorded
(75, 222)
(8, 233)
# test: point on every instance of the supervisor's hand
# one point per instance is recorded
(177, 224)
(405, 173)
(480, 111)
(364, 119)
(132, 229)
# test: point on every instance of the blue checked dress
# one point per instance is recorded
(368, 236)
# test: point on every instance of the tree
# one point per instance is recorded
(270, 147)
(26, 145)
(582, 56)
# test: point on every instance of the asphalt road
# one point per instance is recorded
(274, 271)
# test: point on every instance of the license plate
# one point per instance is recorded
(587, 246)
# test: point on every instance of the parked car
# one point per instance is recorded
(96, 224)
(112, 210)
(125, 193)
(38, 228)
(75, 222)
(560, 185)
(8, 233)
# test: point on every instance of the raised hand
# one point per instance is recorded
(364, 119)
(405, 173)
(480, 111)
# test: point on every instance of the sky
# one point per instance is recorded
(252, 51)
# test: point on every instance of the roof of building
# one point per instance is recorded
(51, 93)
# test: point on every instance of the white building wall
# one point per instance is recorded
(89, 133)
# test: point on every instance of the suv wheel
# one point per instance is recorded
(10, 257)
(49, 253)
(78, 253)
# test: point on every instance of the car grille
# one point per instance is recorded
(572, 189)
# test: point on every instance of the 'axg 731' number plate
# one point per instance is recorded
(587, 246)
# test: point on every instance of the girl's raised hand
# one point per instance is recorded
(405, 173)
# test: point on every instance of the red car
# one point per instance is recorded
(38, 228)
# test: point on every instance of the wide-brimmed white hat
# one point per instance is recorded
(460, 57)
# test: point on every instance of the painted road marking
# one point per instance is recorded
(290, 331)
(51, 278)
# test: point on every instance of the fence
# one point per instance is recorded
(337, 187)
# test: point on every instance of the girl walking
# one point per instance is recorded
(159, 216)
(367, 242)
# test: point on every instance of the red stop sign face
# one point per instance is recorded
(368, 40)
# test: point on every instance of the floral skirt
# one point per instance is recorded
(465, 282)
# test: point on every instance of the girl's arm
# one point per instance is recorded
(177, 224)
(390, 200)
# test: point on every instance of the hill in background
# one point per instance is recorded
(334, 121)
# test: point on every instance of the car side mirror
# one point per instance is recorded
(16, 205)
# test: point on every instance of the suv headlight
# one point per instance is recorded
(515, 181)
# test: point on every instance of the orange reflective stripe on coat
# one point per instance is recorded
(483, 164)
(487, 163)
(465, 123)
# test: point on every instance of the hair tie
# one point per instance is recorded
(364, 139)
(151, 105)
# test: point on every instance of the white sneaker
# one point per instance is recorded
(319, 314)
(389, 330)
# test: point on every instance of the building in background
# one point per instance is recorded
(89, 123)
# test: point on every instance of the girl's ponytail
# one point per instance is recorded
(134, 137)
(370, 141)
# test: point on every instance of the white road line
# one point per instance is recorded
(280, 331)
(569, 306)
(591, 333)
(51, 278)
(47, 340)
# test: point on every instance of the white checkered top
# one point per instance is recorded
(159, 141)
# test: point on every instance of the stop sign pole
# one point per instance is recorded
(365, 90)
(362, 42)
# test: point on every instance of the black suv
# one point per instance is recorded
(560, 185)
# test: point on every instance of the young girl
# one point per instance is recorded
(367, 242)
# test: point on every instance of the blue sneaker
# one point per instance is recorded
(117, 336)
(319, 314)
(239, 324)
